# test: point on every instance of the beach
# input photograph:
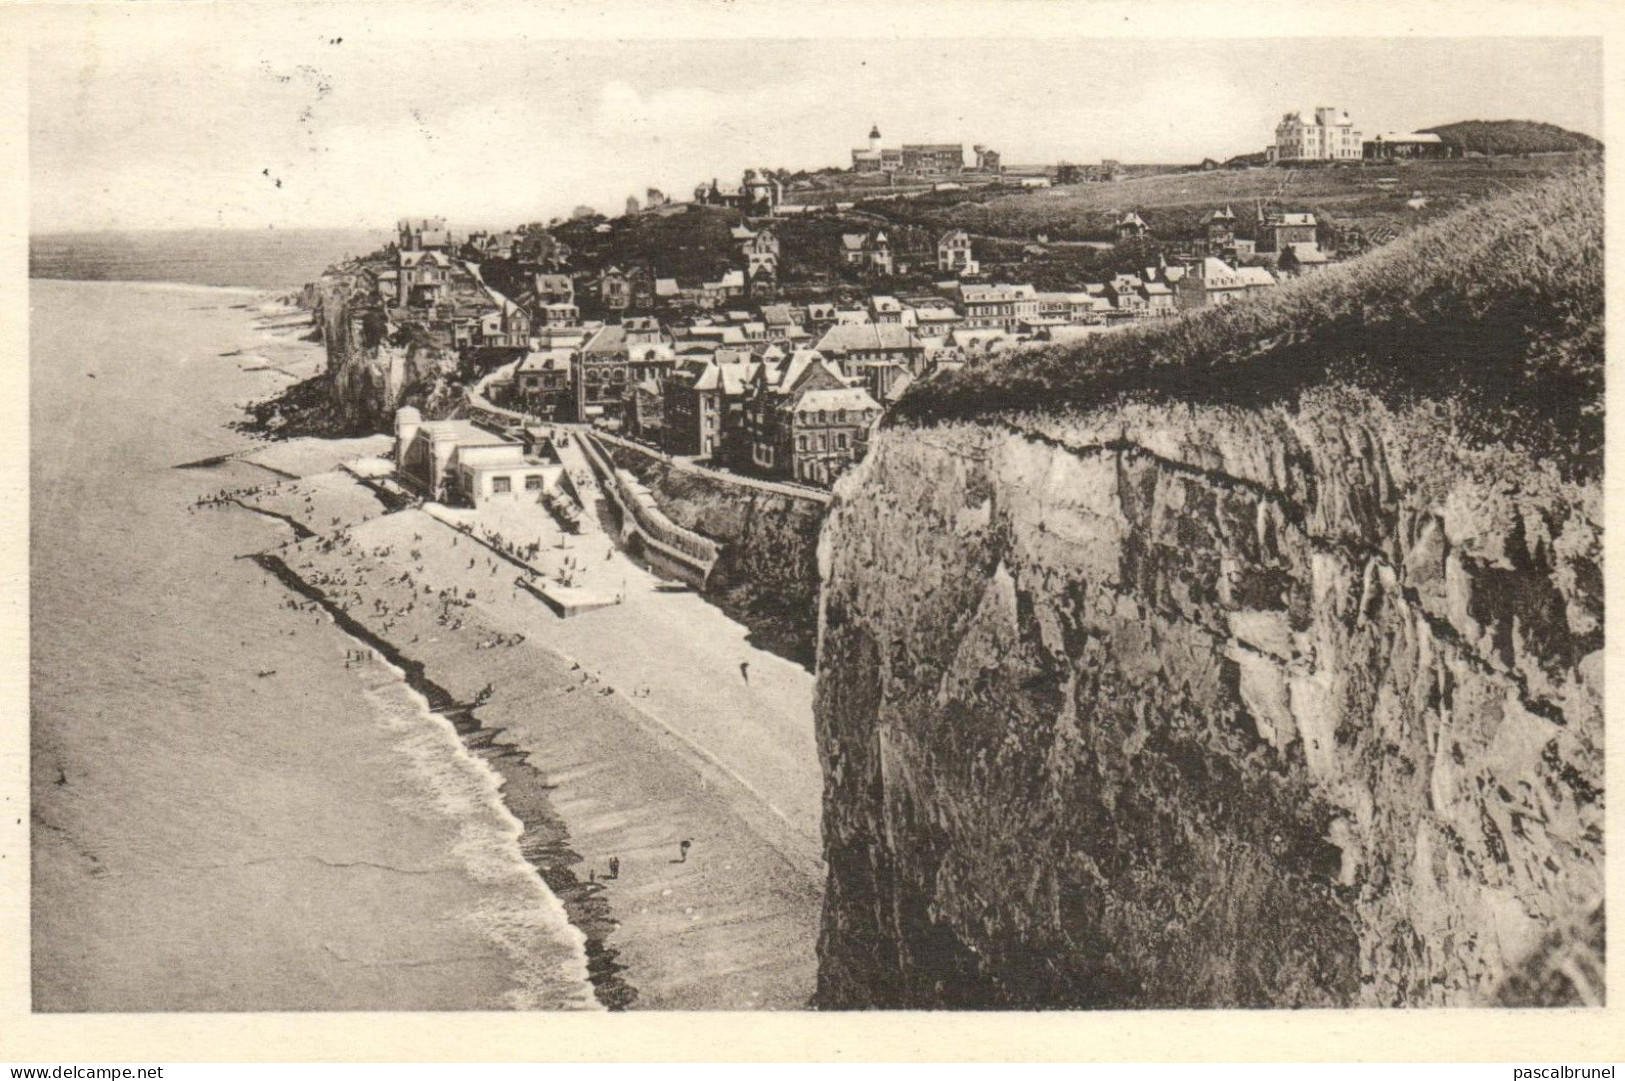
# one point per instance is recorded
(543, 748)
(224, 816)
(619, 733)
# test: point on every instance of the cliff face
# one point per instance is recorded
(767, 577)
(1166, 705)
(374, 368)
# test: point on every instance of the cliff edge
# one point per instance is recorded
(1252, 660)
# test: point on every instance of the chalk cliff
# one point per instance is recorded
(1249, 691)
(373, 366)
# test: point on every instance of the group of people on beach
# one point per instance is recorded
(344, 589)
(614, 862)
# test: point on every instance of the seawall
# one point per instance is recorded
(767, 575)
(1173, 705)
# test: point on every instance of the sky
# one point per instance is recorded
(150, 117)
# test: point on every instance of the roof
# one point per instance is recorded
(986, 294)
(742, 232)
(784, 378)
(1255, 275)
(864, 337)
(776, 314)
(413, 258)
(611, 339)
(666, 287)
(733, 376)
(854, 241)
(465, 433)
(545, 360)
(828, 401)
(1131, 218)
(1295, 219)
(1405, 137)
(481, 459)
(885, 304)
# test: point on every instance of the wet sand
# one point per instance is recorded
(618, 734)
(226, 814)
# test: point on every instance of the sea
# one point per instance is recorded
(229, 812)
(273, 259)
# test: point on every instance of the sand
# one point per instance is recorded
(619, 733)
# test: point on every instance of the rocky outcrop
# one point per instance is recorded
(1178, 705)
(374, 365)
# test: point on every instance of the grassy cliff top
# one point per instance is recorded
(1499, 306)
(1173, 204)
(1513, 137)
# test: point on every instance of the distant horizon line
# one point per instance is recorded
(487, 225)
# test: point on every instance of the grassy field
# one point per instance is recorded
(1173, 204)
(1497, 308)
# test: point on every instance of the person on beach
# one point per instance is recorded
(682, 850)
(744, 671)
(614, 867)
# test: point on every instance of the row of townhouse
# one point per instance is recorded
(788, 391)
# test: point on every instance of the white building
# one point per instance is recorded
(1330, 136)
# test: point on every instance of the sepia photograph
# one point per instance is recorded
(796, 522)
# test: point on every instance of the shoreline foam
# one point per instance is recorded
(597, 960)
(589, 771)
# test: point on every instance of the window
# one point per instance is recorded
(533, 482)
(501, 485)
(841, 440)
(801, 442)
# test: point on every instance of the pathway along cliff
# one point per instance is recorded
(1180, 670)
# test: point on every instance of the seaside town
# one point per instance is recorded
(818, 313)
(933, 575)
